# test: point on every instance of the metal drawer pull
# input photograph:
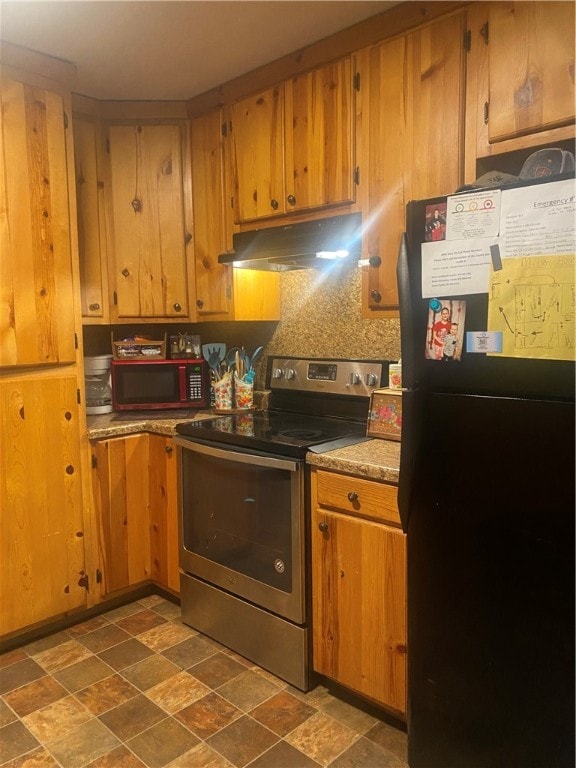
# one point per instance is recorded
(352, 496)
(323, 526)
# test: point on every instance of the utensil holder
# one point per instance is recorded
(223, 393)
(243, 393)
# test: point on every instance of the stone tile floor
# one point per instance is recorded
(135, 687)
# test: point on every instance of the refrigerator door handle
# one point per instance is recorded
(408, 454)
(406, 314)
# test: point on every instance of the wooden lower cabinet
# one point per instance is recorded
(358, 589)
(136, 503)
(42, 564)
(164, 558)
(121, 501)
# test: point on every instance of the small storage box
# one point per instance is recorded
(385, 414)
(139, 349)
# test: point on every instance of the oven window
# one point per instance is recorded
(239, 516)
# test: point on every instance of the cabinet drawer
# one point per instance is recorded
(356, 496)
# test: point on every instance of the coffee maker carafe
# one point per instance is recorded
(98, 384)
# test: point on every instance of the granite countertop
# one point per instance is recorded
(374, 459)
(131, 422)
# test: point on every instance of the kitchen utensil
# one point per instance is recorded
(214, 354)
(255, 355)
(246, 359)
(231, 357)
(238, 363)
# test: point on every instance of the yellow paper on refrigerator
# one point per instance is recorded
(531, 302)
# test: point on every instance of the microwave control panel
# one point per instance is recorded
(195, 378)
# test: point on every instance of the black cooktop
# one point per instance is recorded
(286, 434)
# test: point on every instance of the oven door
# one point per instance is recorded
(242, 524)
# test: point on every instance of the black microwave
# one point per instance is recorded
(144, 384)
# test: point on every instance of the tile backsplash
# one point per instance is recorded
(321, 317)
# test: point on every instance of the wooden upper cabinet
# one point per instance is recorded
(91, 220)
(36, 271)
(414, 103)
(435, 97)
(292, 145)
(519, 83)
(531, 67)
(319, 148)
(257, 132)
(389, 156)
(149, 235)
(213, 280)
(222, 293)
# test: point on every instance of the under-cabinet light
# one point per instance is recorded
(332, 254)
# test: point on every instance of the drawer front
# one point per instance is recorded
(355, 496)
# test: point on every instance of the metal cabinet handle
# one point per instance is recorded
(376, 296)
(94, 307)
(291, 199)
(125, 272)
(323, 526)
(168, 449)
(274, 204)
(199, 303)
(352, 496)
(177, 307)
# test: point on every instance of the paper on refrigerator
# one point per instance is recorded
(485, 229)
(459, 264)
(531, 301)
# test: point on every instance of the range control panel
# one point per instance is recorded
(333, 377)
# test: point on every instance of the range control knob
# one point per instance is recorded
(371, 379)
(354, 378)
(277, 373)
(290, 373)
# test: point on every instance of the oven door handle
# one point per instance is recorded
(242, 458)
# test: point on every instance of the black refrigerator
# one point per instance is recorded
(486, 489)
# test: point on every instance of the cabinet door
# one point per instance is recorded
(319, 154)
(36, 268)
(415, 139)
(359, 606)
(222, 293)
(435, 86)
(41, 512)
(213, 280)
(164, 552)
(149, 237)
(121, 499)
(531, 66)
(389, 144)
(258, 155)
(91, 222)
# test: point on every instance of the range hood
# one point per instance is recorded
(316, 244)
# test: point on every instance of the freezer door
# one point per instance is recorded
(424, 319)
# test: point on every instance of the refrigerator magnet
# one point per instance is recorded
(483, 341)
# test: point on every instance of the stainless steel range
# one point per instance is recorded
(244, 511)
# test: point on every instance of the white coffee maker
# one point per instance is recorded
(98, 384)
